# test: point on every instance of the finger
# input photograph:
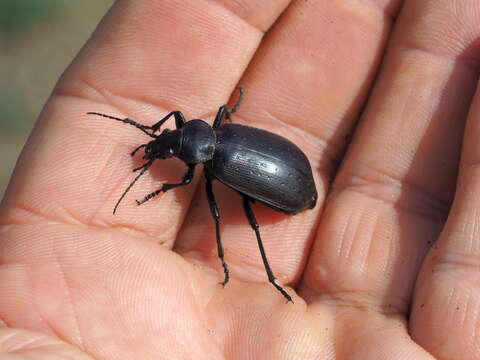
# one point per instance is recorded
(445, 315)
(145, 59)
(307, 82)
(392, 195)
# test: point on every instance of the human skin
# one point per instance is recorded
(381, 97)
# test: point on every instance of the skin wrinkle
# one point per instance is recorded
(18, 220)
(246, 20)
(368, 252)
(364, 300)
(344, 232)
(352, 228)
(42, 319)
(434, 209)
(77, 332)
(389, 8)
(89, 92)
(472, 64)
(458, 261)
(27, 343)
(109, 99)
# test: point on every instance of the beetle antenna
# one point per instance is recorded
(142, 127)
(145, 167)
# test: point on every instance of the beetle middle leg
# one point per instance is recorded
(216, 216)
(238, 103)
(253, 223)
(187, 178)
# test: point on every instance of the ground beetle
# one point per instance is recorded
(256, 163)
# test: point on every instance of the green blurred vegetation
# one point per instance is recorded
(38, 39)
(17, 16)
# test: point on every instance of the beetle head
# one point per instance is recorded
(166, 145)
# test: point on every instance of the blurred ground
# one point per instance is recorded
(38, 39)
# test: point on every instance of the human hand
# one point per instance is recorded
(370, 282)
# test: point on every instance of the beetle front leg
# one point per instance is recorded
(253, 223)
(216, 216)
(187, 179)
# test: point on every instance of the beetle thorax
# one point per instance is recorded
(198, 142)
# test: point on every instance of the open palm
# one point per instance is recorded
(375, 270)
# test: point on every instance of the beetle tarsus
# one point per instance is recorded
(148, 197)
(138, 168)
(281, 289)
(237, 104)
(226, 274)
(254, 225)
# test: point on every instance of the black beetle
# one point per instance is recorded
(256, 163)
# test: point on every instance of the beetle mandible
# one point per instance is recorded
(258, 164)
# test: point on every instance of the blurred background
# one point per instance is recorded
(38, 39)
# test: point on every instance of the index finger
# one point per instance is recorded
(145, 59)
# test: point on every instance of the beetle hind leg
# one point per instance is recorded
(216, 216)
(253, 223)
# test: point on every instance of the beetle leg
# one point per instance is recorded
(187, 178)
(216, 217)
(225, 112)
(221, 114)
(253, 223)
(179, 120)
(238, 103)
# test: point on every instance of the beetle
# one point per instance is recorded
(259, 165)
